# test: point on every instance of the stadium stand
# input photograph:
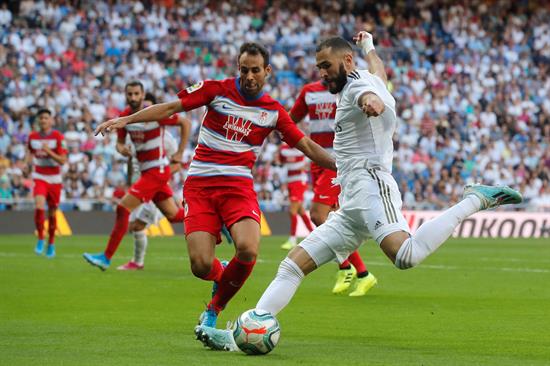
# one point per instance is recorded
(471, 83)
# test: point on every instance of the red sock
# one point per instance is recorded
(216, 271)
(357, 262)
(293, 224)
(120, 228)
(307, 221)
(233, 278)
(179, 216)
(39, 222)
(52, 226)
(345, 264)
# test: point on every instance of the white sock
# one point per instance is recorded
(140, 246)
(430, 235)
(292, 239)
(281, 290)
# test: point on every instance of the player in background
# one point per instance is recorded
(219, 187)
(47, 149)
(370, 201)
(316, 102)
(147, 213)
(153, 184)
(296, 180)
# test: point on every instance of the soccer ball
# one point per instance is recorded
(256, 332)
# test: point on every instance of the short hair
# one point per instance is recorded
(254, 48)
(336, 43)
(42, 111)
(151, 97)
(134, 83)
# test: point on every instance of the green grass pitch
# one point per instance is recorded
(475, 302)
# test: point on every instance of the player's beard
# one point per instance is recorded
(134, 105)
(337, 84)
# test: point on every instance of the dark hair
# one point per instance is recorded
(151, 97)
(253, 48)
(336, 43)
(134, 83)
(42, 111)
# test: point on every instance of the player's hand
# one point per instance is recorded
(177, 158)
(364, 40)
(112, 124)
(372, 105)
(46, 148)
(125, 150)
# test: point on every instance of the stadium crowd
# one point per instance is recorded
(471, 82)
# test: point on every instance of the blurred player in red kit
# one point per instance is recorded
(296, 180)
(47, 149)
(153, 184)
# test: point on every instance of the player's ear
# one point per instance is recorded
(348, 61)
(268, 70)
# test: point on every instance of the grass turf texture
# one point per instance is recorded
(475, 302)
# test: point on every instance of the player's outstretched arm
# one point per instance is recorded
(316, 153)
(153, 113)
(376, 66)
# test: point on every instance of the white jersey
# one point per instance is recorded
(360, 140)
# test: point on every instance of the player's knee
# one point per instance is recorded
(200, 267)
(247, 253)
(406, 257)
(317, 217)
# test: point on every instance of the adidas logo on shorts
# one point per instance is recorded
(378, 224)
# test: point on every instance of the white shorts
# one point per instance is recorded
(146, 212)
(370, 205)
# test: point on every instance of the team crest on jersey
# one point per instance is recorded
(263, 117)
(324, 110)
(194, 87)
(236, 128)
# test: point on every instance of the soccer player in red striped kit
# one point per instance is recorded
(296, 181)
(219, 187)
(153, 185)
(48, 152)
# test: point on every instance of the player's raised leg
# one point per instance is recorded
(408, 251)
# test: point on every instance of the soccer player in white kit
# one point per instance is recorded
(370, 201)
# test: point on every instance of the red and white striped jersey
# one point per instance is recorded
(319, 104)
(148, 139)
(295, 163)
(233, 131)
(44, 167)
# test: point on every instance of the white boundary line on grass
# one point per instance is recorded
(370, 263)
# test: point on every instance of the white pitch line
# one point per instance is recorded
(370, 263)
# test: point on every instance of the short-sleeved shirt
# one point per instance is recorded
(44, 167)
(360, 139)
(319, 105)
(233, 130)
